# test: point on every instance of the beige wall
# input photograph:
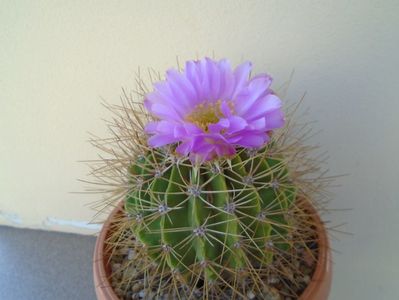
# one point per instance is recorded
(59, 58)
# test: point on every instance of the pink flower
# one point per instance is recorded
(208, 110)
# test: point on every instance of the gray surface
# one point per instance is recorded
(43, 265)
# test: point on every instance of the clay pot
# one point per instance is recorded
(318, 288)
(101, 268)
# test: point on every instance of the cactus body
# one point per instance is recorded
(218, 218)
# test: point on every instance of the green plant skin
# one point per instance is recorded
(220, 221)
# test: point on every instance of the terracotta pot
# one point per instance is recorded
(101, 268)
(318, 288)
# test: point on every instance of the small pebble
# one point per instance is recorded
(131, 254)
(123, 251)
(130, 272)
(272, 280)
(250, 295)
(115, 267)
(197, 293)
(271, 294)
(137, 287)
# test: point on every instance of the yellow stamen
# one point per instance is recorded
(207, 113)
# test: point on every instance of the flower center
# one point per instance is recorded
(206, 113)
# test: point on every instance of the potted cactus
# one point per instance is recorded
(211, 193)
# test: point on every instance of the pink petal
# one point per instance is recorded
(179, 132)
(241, 74)
(236, 124)
(151, 127)
(181, 87)
(253, 140)
(262, 106)
(192, 129)
(259, 124)
(275, 119)
(224, 107)
(204, 79)
(222, 124)
(226, 80)
(192, 74)
(214, 79)
(257, 87)
(234, 139)
(165, 112)
(184, 148)
(260, 82)
(163, 95)
(160, 140)
(166, 127)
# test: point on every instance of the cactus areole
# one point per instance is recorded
(213, 193)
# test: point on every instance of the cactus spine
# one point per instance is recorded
(219, 219)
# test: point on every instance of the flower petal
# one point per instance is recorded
(182, 88)
(257, 87)
(253, 140)
(275, 119)
(184, 148)
(192, 75)
(160, 140)
(241, 74)
(216, 128)
(164, 95)
(236, 124)
(204, 79)
(262, 106)
(151, 127)
(258, 124)
(165, 112)
(225, 109)
(227, 80)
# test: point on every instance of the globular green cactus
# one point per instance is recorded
(215, 218)
(218, 188)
